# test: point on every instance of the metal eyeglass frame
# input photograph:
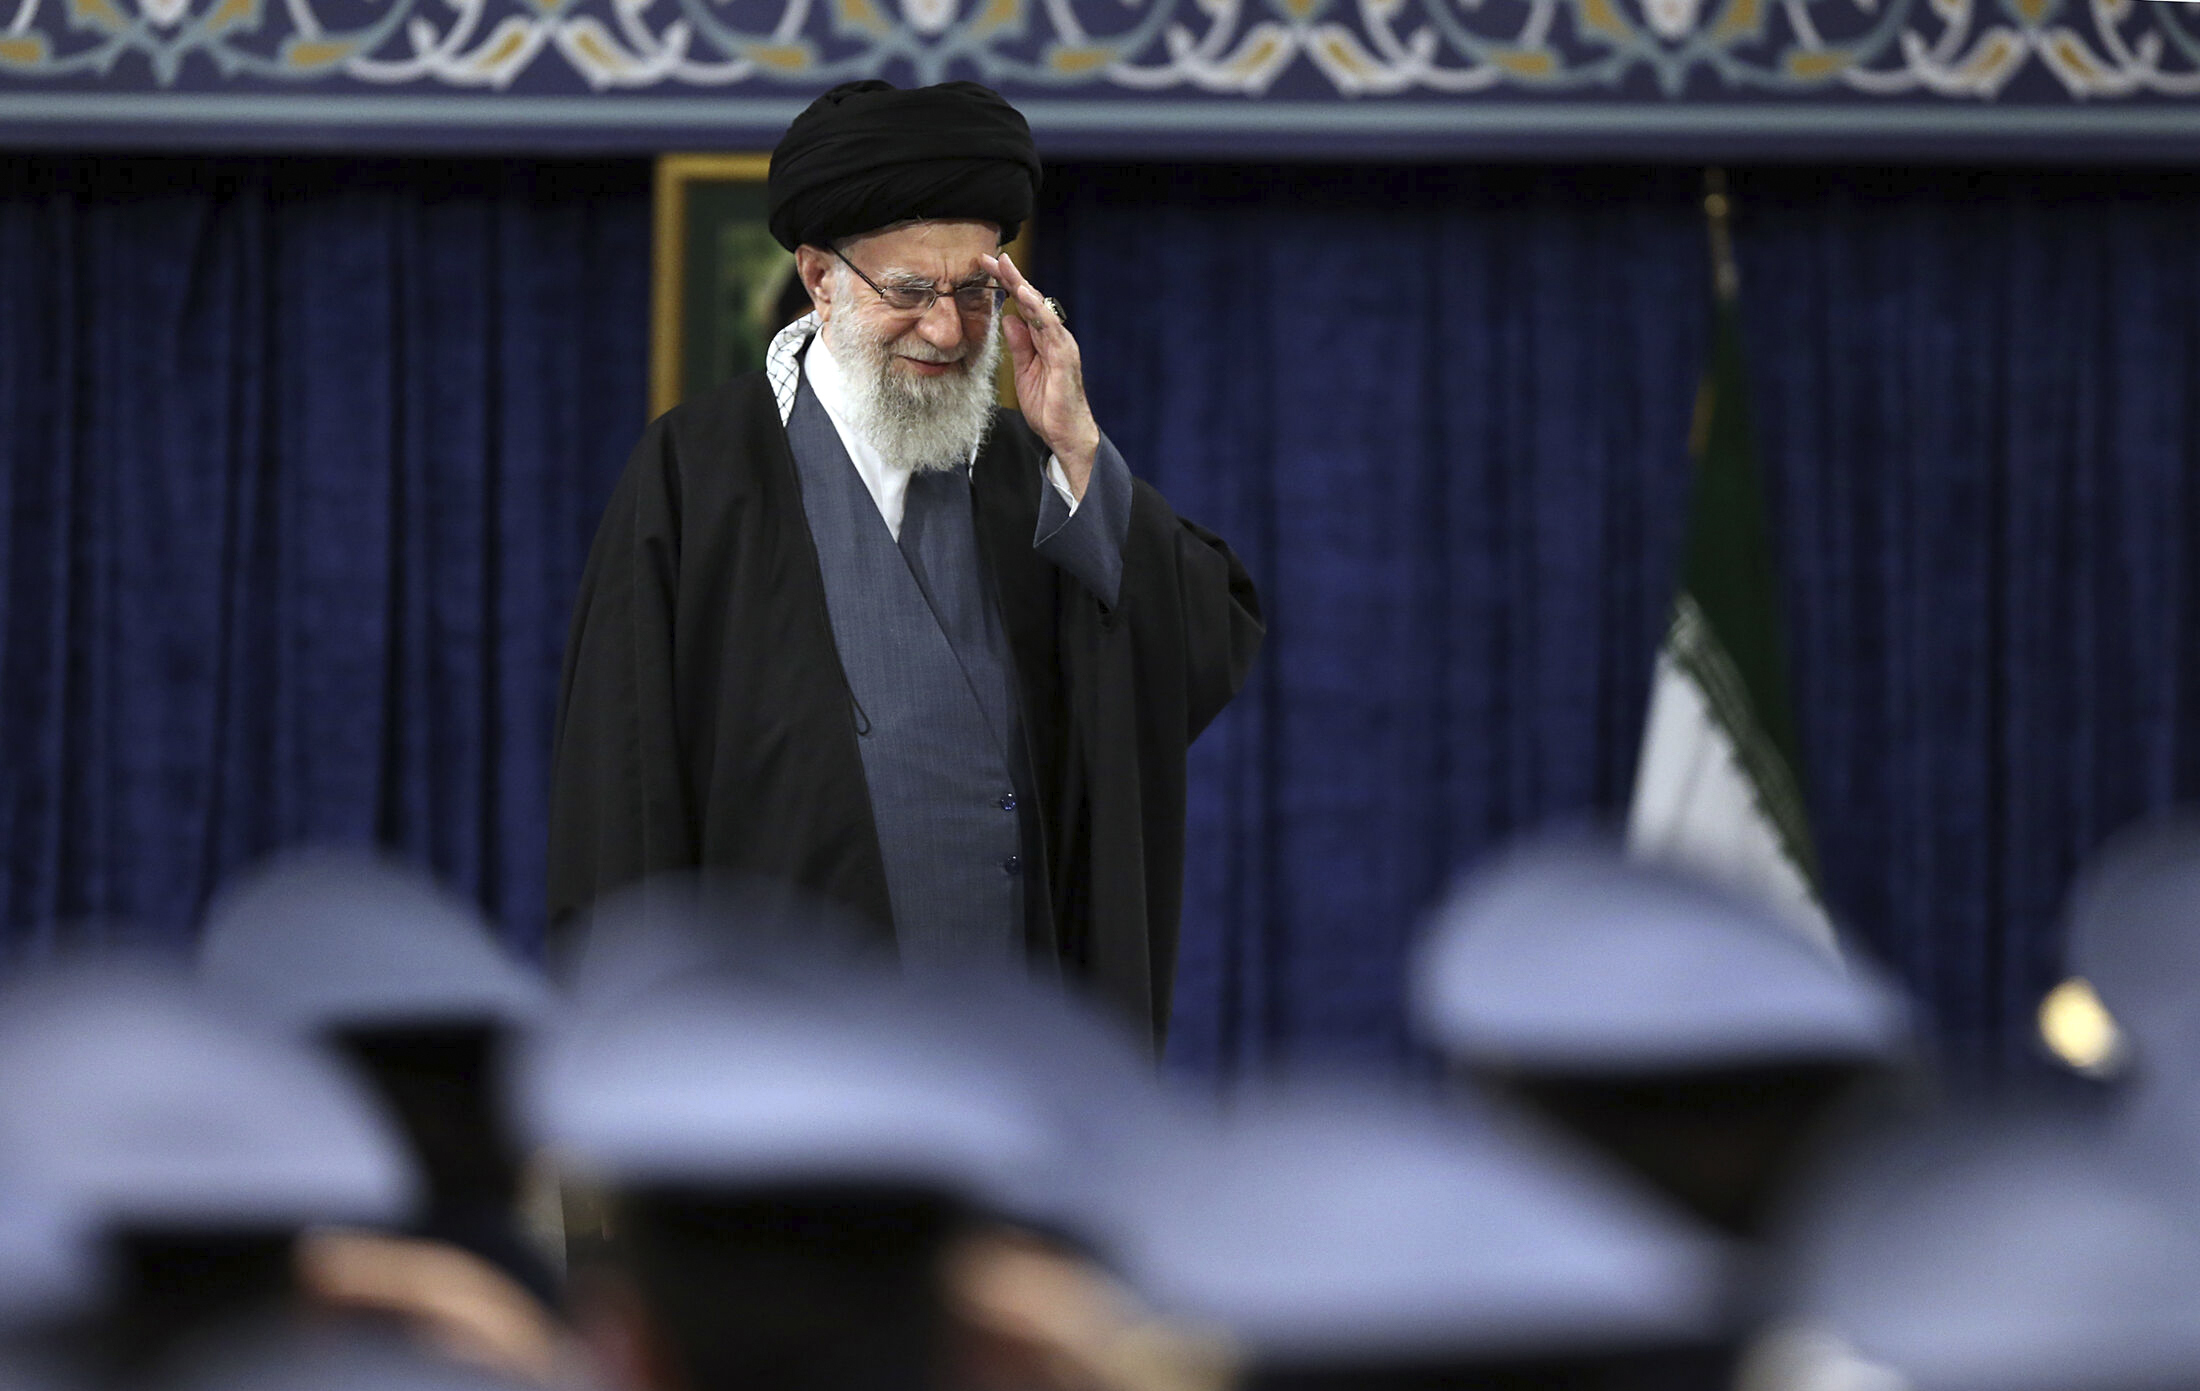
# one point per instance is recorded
(994, 291)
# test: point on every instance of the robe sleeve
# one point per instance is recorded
(1143, 680)
(1086, 541)
(620, 804)
(1222, 622)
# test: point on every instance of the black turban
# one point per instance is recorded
(867, 154)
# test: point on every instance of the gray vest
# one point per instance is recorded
(935, 690)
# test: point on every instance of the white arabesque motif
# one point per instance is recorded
(1965, 50)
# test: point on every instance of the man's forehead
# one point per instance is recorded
(929, 248)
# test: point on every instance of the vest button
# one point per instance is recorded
(1008, 803)
(1014, 864)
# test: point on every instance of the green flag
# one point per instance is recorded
(1718, 789)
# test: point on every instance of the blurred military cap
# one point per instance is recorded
(49, 1268)
(343, 939)
(678, 927)
(2131, 927)
(1320, 1228)
(1995, 1257)
(718, 1087)
(137, 1101)
(1572, 957)
(1081, 1074)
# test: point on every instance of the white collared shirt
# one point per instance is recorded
(889, 485)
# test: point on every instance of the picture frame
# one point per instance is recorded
(721, 287)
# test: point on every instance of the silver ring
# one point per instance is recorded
(1054, 307)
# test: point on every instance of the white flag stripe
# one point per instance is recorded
(1696, 807)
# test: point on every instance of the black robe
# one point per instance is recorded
(703, 717)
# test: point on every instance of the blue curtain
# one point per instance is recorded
(1977, 403)
(298, 465)
(299, 462)
(1443, 415)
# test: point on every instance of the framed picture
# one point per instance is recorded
(720, 278)
(723, 287)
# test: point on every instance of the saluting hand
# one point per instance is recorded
(1050, 375)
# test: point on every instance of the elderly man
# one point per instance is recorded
(850, 626)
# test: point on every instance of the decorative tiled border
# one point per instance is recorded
(1135, 76)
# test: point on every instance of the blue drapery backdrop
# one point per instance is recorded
(1443, 415)
(298, 463)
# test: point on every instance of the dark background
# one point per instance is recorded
(299, 460)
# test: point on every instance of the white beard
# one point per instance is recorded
(918, 424)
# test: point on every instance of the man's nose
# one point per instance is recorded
(941, 325)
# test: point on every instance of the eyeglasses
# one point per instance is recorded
(980, 297)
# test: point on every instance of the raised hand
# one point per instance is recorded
(1050, 375)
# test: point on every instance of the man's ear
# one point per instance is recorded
(815, 266)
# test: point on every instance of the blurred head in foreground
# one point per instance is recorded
(193, 1145)
(782, 1176)
(2126, 1009)
(50, 1268)
(51, 1282)
(372, 959)
(1987, 1257)
(1027, 1307)
(1685, 1032)
(1340, 1241)
(406, 980)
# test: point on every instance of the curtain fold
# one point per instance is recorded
(301, 462)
